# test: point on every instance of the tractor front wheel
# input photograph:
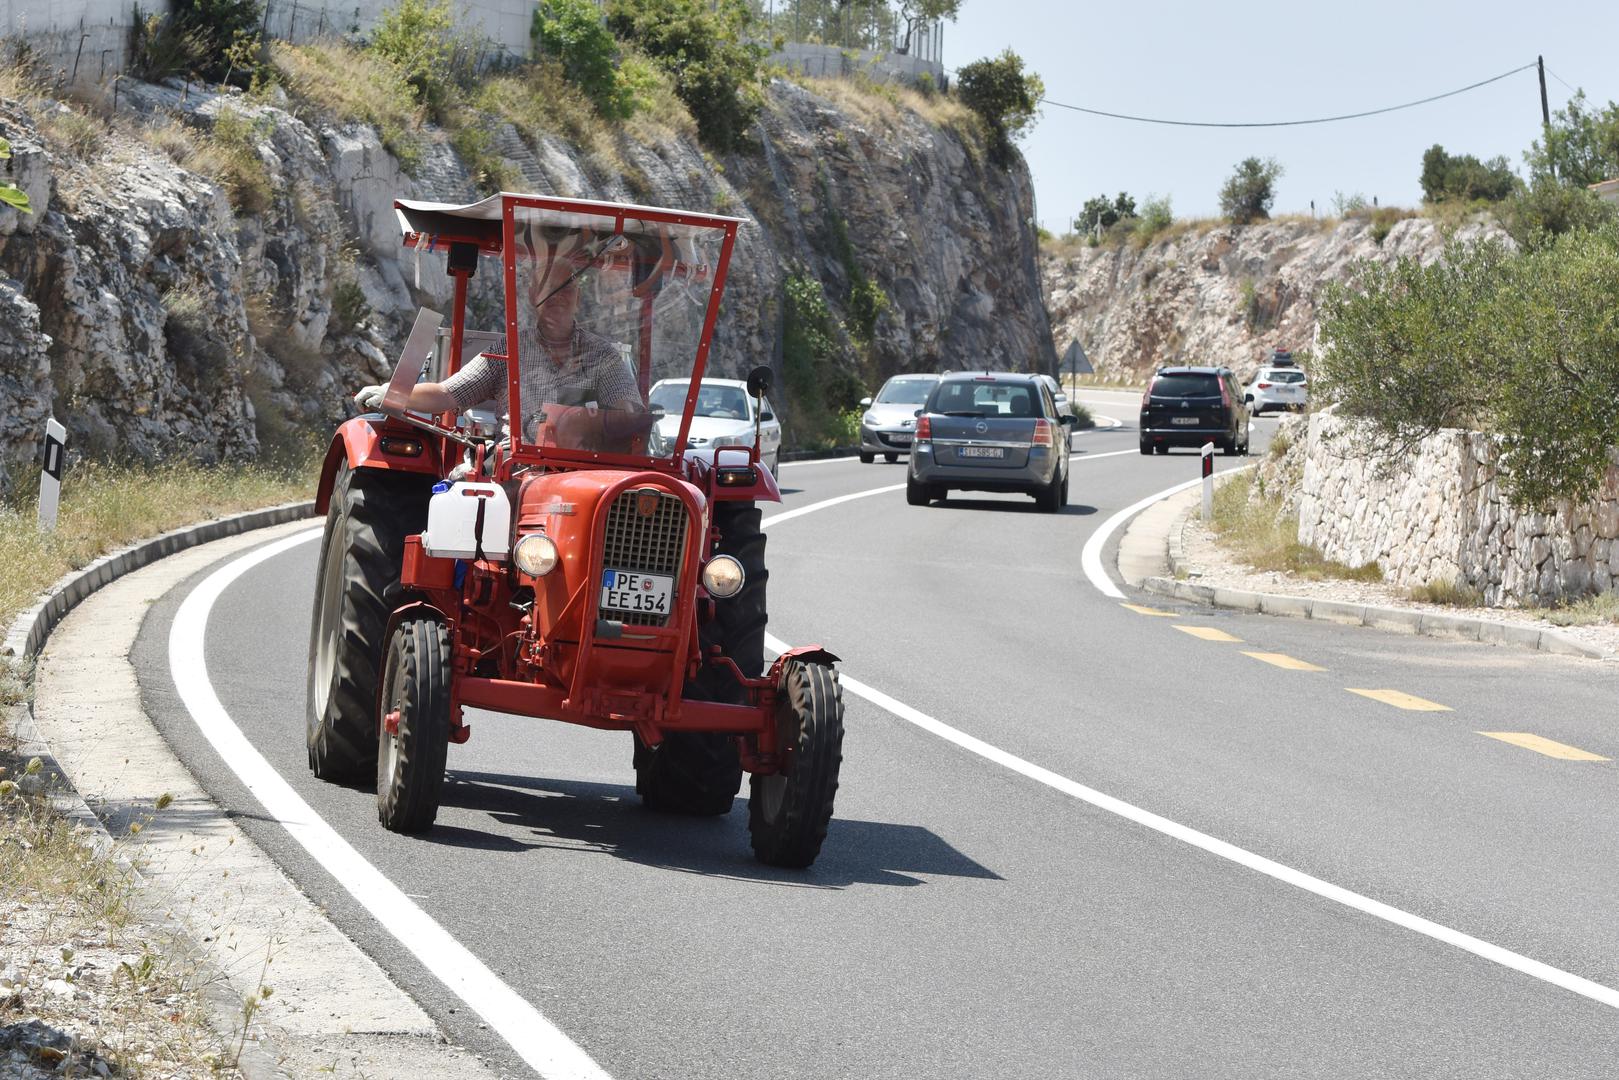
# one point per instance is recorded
(356, 589)
(413, 725)
(788, 812)
(700, 772)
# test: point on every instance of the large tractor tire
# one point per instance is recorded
(416, 704)
(788, 812)
(356, 588)
(696, 772)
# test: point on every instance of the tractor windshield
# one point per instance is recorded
(605, 304)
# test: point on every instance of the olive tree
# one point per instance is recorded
(1248, 193)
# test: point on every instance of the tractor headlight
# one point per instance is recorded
(535, 555)
(723, 576)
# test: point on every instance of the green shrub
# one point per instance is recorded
(11, 195)
(572, 31)
(1006, 99)
(819, 386)
(1548, 209)
(416, 38)
(1522, 346)
(1448, 592)
(241, 170)
(1156, 215)
(1248, 192)
(704, 46)
(1345, 205)
(1104, 213)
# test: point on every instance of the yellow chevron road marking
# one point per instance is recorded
(1282, 660)
(1207, 633)
(1139, 610)
(1401, 700)
(1544, 746)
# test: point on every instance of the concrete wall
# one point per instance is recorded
(86, 40)
(504, 23)
(1440, 515)
(831, 62)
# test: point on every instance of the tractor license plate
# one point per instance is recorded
(1188, 421)
(623, 590)
(983, 451)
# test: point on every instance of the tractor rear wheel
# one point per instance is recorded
(415, 705)
(356, 588)
(701, 772)
(788, 812)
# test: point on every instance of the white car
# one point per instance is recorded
(1277, 388)
(888, 422)
(724, 417)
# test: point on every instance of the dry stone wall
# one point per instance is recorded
(1439, 514)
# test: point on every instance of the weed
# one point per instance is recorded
(351, 84)
(1254, 529)
(1448, 592)
(79, 133)
(1598, 608)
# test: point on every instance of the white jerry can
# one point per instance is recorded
(465, 520)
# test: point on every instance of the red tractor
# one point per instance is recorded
(583, 565)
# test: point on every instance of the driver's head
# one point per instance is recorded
(554, 291)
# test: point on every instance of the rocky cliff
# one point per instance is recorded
(154, 315)
(1216, 293)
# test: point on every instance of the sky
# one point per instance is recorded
(1247, 60)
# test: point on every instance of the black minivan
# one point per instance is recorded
(1190, 406)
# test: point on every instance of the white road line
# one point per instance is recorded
(1242, 857)
(814, 461)
(1112, 421)
(1090, 559)
(535, 1039)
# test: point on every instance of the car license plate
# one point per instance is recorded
(1188, 421)
(983, 451)
(900, 439)
(623, 590)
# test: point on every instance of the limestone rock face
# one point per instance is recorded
(153, 318)
(1223, 295)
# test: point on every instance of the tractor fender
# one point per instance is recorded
(700, 467)
(359, 442)
(814, 654)
(400, 614)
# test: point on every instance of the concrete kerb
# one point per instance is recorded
(1395, 620)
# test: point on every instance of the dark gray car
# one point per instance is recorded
(995, 431)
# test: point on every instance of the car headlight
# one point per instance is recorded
(730, 440)
(869, 420)
(723, 576)
(535, 555)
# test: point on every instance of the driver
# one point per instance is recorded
(560, 363)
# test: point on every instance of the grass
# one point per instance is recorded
(1587, 611)
(1256, 531)
(355, 85)
(107, 506)
(1447, 592)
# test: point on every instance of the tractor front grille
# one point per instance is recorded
(647, 543)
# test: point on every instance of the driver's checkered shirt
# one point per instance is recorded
(592, 370)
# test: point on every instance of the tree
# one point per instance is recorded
(1099, 211)
(915, 13)
(704, 46)
(1581, 144)
(1465, 177)
(1248, 193)
(1006, 99)
(415, 36)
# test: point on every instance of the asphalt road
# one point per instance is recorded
(965, 920)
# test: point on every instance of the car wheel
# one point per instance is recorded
(1146, 448)
(1050, 498)
(1160, 448)
(915, 493)
(1229, 447)
(867, 459)
(891, 458)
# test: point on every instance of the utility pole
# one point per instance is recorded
(1546, 116)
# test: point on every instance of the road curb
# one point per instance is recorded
(1391, 619)
(29, 630)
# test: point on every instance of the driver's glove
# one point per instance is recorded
(369, 398)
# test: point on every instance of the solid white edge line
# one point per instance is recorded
(1242, 857)
(1090, 559)
(535, 1039)
(816, 461)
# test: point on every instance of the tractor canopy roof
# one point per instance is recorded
(601, 301)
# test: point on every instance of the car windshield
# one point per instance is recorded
(1186, 384)
(984, 399)
(718, 401)
(905, 391)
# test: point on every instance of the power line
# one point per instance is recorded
(1560, 79)
(1287, 123)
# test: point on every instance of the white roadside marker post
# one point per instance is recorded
(1208, 481)
(50, 478)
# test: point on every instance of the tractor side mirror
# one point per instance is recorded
(759, 380)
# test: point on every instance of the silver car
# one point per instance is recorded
(888, 423)
(995, 431)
